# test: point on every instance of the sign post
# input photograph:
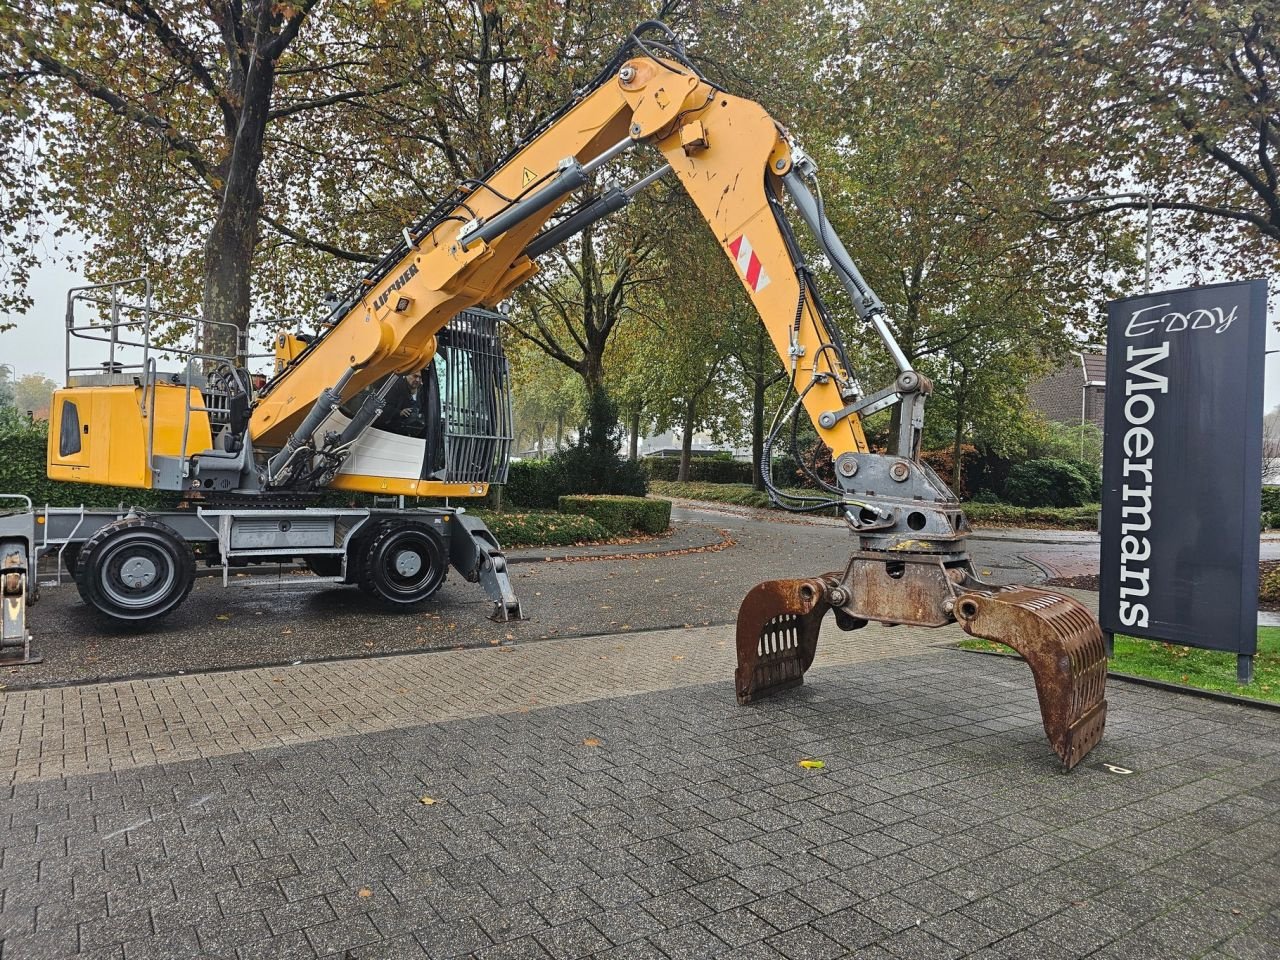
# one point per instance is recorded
(1182, 468)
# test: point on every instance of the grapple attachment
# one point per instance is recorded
(779, 622)
(778, 626)
(1062, 643)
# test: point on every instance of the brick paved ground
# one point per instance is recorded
(641, 815)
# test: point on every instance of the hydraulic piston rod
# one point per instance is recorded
(610, 201)
(864, 298)
(570, 177)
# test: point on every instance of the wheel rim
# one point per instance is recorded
(137, 573)
(410, 566)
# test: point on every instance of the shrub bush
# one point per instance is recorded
(1270, 500)
(1269, 585)
(542, 529)
(943, 462)
(1046, 483)
(716, 469)
(591, 466)
(531, 484)
(621, 514)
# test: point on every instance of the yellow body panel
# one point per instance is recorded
(114, 436)
(288, 348)
(397, 486)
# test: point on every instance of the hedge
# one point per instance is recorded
(1006, 515)
(621, 514)
(742, 494)
(542, 529)
(994, 514)
(701, 469)
(1270, 501)
(539, 484)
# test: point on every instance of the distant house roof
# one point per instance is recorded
(1095, 366)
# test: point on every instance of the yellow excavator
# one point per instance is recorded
(333, 415)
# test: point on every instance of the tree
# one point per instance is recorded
(1271, 446)
(1176, 101)
(939, 195)
(33, 393)
(1183, 100)
(182, 97)
(544, 400)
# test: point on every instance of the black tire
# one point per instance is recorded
(324, 565)
(135, 570)
(71, 558)
(403, 563)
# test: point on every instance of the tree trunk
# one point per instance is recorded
(758, 386)
(634, 451)
(229, 250)
(686, 441)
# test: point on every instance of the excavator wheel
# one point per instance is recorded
(135, 570)
(403, 563)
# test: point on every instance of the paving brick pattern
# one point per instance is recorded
(666, 823)
(114, 726)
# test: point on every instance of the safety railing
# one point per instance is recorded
(123, 315)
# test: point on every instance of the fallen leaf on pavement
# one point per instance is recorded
(224, 616)
(427, 801)
(814, 764)
(590, 742)
(366, 892)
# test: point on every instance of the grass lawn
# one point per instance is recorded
(1190, 666)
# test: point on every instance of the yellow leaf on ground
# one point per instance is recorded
(590, 742)
(427, 801)
(366, 892)
(224, 616)
(678, 656)
(814, 764)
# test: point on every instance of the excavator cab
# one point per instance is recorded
(448, 422)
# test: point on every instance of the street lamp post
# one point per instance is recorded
(1147, 198)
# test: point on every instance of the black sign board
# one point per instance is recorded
(1182, 466)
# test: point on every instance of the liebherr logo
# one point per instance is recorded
(399, 282)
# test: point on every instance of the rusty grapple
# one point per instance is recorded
(778, 625)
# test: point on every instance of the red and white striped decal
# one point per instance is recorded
(749, 263)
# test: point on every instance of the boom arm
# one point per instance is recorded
(728, 154)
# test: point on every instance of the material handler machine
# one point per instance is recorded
(247, 459)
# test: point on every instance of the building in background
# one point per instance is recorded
(1076, 392)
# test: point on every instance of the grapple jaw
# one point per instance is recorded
(778, 626)
(1062, 643)
(779, 623)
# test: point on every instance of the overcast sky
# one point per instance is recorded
(37, 344)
